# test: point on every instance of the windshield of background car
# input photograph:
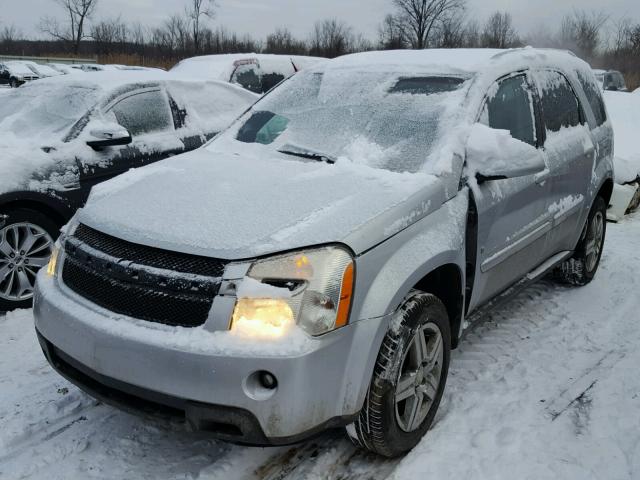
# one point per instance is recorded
(382, 119)
(44, 111)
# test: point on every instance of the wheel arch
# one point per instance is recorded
(606, 190)
(446, 283)
(54, 209)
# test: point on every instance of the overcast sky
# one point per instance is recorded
(259, 17)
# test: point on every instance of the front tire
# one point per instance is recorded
(26, 242)
(408, 379)
(14, 83)
(581, 268)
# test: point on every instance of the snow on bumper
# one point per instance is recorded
(323, 384)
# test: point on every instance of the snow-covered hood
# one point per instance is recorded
(230, 206)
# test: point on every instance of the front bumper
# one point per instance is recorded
(145, 367)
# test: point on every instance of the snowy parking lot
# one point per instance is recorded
(547, 386)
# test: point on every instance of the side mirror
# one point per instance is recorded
(108, 135)
(494, 154)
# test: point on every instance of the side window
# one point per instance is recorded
(594, 97)
(144, 112)
(560, 106)
(511, 109)
(248, 76)
(270, 80)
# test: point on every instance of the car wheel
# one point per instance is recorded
(14, 83)
(26, 242)
(408, 379)
(582, 266)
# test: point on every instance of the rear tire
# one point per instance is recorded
(26, 242)
(581, 268)
(408, 379)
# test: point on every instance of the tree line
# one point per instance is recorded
(78, 31)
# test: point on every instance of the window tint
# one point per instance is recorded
(560, 107)
(511, 109)
(247, 76)
(144, 113)
(594, 97)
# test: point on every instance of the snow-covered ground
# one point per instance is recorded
(547, 387)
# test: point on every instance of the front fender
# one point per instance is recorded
(387, 273)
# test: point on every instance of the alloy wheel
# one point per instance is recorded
(419, 378)
(24, 249)
(595, 237)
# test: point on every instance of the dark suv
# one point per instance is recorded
(59, 137)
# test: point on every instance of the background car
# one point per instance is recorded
(15, 74)
(624, 112)
(61, 136)
(611, 80)
(64, 68)
(257, 73)
(42, 70)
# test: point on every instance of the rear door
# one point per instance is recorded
(513, 219)
(147, 115)
(570, 157)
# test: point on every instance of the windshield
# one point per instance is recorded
(44, 111)
(381, 119)
(19, 68)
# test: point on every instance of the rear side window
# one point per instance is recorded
(594, 97)
(270, 80)
(511, 109)
(248, 76)
(144, 112)
(560, 106)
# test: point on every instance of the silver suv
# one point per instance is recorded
(314, 265)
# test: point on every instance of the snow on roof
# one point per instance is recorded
(221, 66)
(108, 79)
(454, 61)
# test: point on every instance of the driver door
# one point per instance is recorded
(148, 117)
(513, 217)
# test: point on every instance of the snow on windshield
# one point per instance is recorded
(44, 111)
(380, 119)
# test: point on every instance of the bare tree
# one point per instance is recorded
(108, 33)
(580, 31)
(78, 12)
(419, 18)
(499, 32)
(451, 32)
(196, 12)
(392, 34)
(9, 34)
(282, 42)
(331, 38)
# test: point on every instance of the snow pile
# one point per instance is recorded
(624, 111)
(492, 152)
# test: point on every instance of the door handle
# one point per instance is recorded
(542, 177)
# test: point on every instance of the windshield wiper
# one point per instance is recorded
(290, 149)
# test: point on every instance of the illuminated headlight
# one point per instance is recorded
(312, 289)
(52, 266)
(68, 229)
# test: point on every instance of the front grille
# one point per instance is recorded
(152, 257)
(115, 274)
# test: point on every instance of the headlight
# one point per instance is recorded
(52, 267)
(68, 229)
(312, 289)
